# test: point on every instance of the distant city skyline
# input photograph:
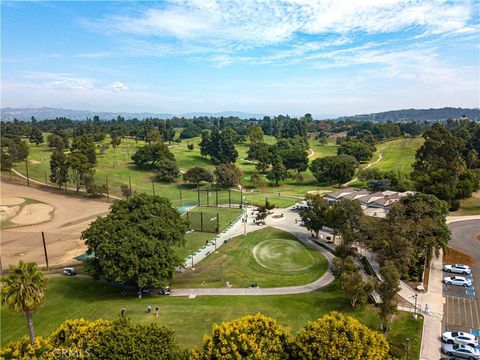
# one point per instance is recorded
(280, 57)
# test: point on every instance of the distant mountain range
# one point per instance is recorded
(8, 114)
(418, 114)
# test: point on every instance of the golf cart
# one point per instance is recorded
(69, 271)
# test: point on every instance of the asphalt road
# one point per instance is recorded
(465, 238)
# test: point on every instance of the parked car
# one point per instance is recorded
(69, 271)
(458, 337)
(458, 269)
(461, 351)
(457, 280)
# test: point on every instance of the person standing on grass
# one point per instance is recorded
(156, 312)
(123, 311)
(149, 309)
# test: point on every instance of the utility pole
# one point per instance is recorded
(26, 166)
(45, 250)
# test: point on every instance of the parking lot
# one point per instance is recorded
(462, 306)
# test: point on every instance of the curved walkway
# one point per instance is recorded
(380, 157)
(287, 223)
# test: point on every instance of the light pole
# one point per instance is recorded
(408, 348)
(415, 310)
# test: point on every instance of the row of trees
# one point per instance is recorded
(413, 229)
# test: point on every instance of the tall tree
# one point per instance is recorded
(135, 243)
(360, 150)
(334, 169)
(255, 134)
(315, 216)
(260, 152)
(24, 291)
(278, 172)
(219, 145)
(81, 167)
(227, 175)
(388, 290)
(85, 145)
(59, 168)
(35, 135)
(150, 155)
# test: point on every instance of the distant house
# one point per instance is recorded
(373, 203)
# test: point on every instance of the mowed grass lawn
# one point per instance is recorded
(280, 259)
(72, 298)
(397, 154)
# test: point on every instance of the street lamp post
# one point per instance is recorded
(408, 348)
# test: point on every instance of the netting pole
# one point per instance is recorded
(45, 178)
(229, 198)
(108, 195)
(10, 173)
(216, 195)
(26, 167)
(153, 188)
(130, 185)
(180, 188)
(218, 226)
(201, 221)
(45, 250)
(198, 195)
(241, 198)
(187, 215)
(208, 200)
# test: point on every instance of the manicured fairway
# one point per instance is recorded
(71, 298)
(398, 154)
(269, 257)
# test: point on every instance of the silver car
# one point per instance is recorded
(457, 280)
(461, 351)
(458, 269)
(458, 337)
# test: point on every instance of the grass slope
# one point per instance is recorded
(235, 262)
(71, 298)
(397, 154)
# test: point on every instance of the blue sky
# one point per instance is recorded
(272, 57)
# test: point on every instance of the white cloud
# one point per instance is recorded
(118, 86)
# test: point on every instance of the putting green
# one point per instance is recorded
(283, 255)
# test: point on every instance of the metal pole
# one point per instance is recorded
(180, 187)
(130, 185)
(10, 173)
(45, 250)
(208, 200)
(201, 221)
(45, 178)
(229, 198)
(218, 229)
(241, 198)
(108, 195)
(198, 195)
(216, 195)
(221, 270)
(153, 189)
(26, 166)
(1, 267)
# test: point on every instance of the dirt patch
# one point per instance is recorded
(453, 256)
(33, 214)
(6, 212)
(9, 201)
(35, 162)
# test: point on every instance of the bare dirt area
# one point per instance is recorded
(62, 233)
(33, 214)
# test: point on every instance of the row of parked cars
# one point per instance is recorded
(458, 280)
(457, 343)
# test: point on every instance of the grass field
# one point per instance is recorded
(70, 298)
(195, 240)
(470, 206)
(397, 154)
(269, 257)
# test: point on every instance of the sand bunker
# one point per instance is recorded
(35, 162)
(6, 212)
(33, 214)
(8, 201)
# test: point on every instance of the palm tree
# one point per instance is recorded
(24, 291)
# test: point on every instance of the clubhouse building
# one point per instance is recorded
(373, 203)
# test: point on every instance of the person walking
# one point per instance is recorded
(123, 311)
(149, 309)
(156, 312)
